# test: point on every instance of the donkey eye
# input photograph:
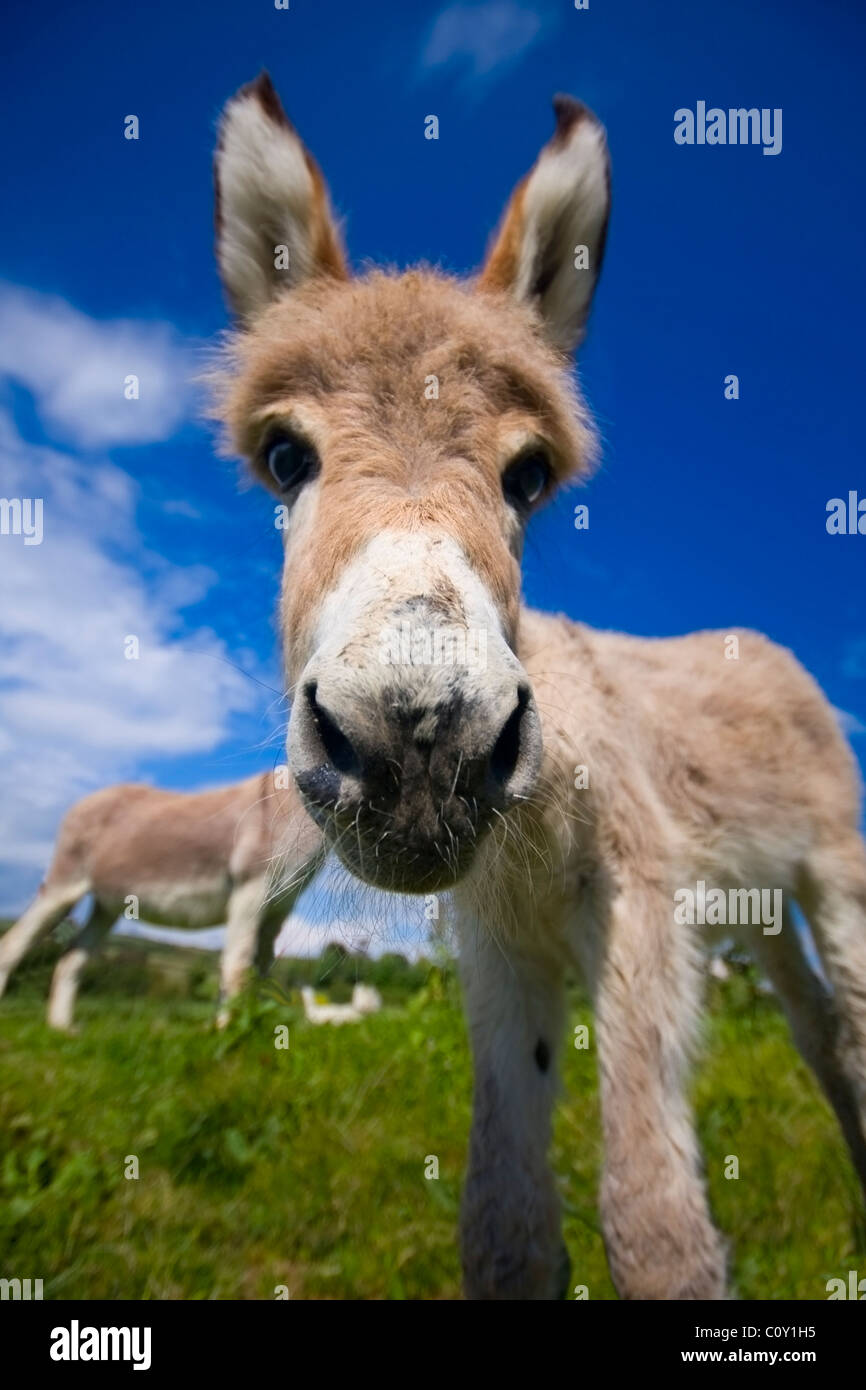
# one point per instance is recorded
(525, 479)
(291, 460)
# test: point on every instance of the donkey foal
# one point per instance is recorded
(239, 855)
(407, 505)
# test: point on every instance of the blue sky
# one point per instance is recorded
(705, 512)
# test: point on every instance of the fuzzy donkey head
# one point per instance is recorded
(411, 423)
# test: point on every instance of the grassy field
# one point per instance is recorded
(304, 1166)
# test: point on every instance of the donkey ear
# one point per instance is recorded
(550, 246)
(274, 226)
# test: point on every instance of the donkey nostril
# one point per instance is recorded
(507, 748)
(337, 747)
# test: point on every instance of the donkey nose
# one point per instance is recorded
(387, 750)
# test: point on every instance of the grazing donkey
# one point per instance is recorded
(190, 860)
(569, 785)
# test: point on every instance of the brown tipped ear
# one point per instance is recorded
(274, 226)
(550, 246)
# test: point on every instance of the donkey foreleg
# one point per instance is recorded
(510, 1223)
(246, 908)
(67, 972)
(268, 933)
(834, 900)
(813, 1013)
(660, 1239)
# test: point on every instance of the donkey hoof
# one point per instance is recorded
(71, 1030)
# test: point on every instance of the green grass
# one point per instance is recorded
(305, 1167)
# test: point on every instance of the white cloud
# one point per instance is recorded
(196, 938)
(75, 714)
(75, 368)
(850, 725)
(484, 36)
(300, 937)
(303, 936)
(180, 507)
